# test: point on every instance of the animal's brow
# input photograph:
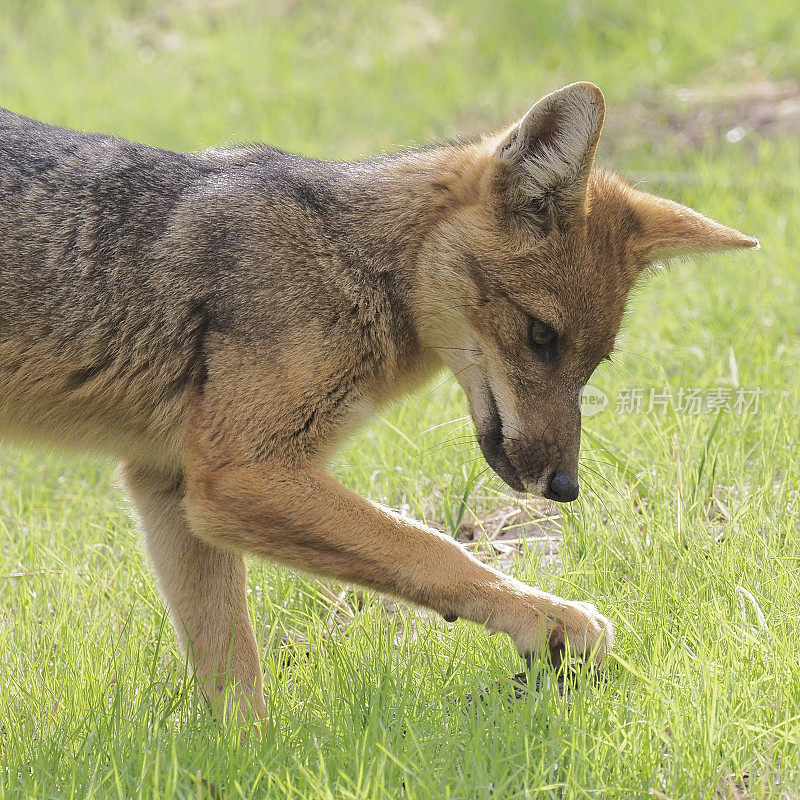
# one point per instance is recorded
(544, 314)
(478, 275)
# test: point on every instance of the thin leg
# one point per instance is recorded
(205, 590)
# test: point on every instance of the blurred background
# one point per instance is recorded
(348, 78)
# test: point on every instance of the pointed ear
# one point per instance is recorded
(670, 230)
(548, 154)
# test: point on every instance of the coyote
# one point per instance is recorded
(219, 321)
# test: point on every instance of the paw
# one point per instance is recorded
(565, 627)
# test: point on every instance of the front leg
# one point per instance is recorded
(206, 590)
(303, 518)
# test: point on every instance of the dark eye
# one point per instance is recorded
(542, 338)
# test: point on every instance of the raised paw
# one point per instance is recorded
(589, 633)
(562, 626)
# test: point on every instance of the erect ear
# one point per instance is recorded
(548, 154)
(669, 230)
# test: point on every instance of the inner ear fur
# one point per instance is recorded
(548, 155)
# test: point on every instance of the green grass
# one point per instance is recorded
(704, 689)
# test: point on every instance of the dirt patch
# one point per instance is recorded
(506, 533)
(691, 117)
(750, 786)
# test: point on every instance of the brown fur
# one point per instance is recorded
(220, 321)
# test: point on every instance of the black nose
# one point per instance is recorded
(561, 488)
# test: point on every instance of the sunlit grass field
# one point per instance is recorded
(687, 530)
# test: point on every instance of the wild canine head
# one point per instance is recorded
(523, 285)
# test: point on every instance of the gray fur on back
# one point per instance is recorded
(121, 263)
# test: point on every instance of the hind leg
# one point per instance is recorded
(205, 590)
